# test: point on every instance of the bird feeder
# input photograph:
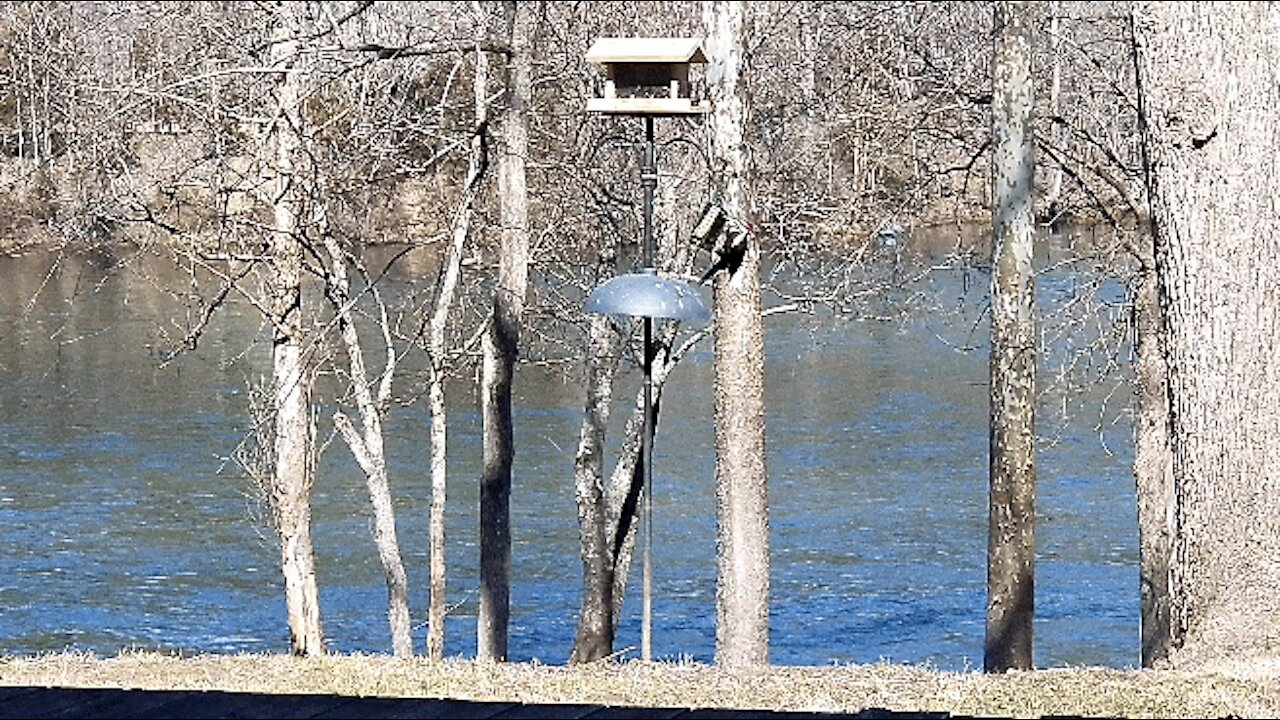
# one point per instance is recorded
(647, 76)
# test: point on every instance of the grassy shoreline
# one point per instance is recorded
(1243, 690)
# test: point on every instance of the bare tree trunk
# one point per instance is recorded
(1153, 460)
(291, 379)
(437, 345)
(626, 493)
(1153, 467)
(1210, 129)
(1057, 124)
(437, 604)
(1011, 525)
(811, 130)
(808, 58)
(608, 512)
(742, 503)
(32, 84)
(501, 344)
(594, 637)
(367, 447)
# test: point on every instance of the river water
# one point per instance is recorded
(126, 523)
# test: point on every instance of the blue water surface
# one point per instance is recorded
(127, 522)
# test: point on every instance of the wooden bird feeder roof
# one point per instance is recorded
(610, 50)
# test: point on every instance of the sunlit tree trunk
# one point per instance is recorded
(811, 126)
(293, 452)
(367, 445)
(1011, 524)
(594, 636)
(501, 341)
(1208, 91)
(742, 502)
(609, 508)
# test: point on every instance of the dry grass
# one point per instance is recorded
(1247, 690)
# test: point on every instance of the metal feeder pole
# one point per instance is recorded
(649, 179)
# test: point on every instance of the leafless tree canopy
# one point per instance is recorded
(142, 126)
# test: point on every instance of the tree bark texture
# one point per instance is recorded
(742, 503)
(1153, 456)
(367, 446)
(593, 639)
(294, 445)
(1209, 93)
(1153, 464)
(1011, 521)
(501, 342)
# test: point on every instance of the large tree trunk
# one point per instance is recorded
(291, 379)
(1209, 96)
(742, 503)
(501, 343)
(1011, 522)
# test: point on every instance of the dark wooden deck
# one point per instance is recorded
(28, 702)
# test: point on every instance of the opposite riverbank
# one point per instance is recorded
(1239, 690)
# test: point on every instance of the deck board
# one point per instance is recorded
(77, 703)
